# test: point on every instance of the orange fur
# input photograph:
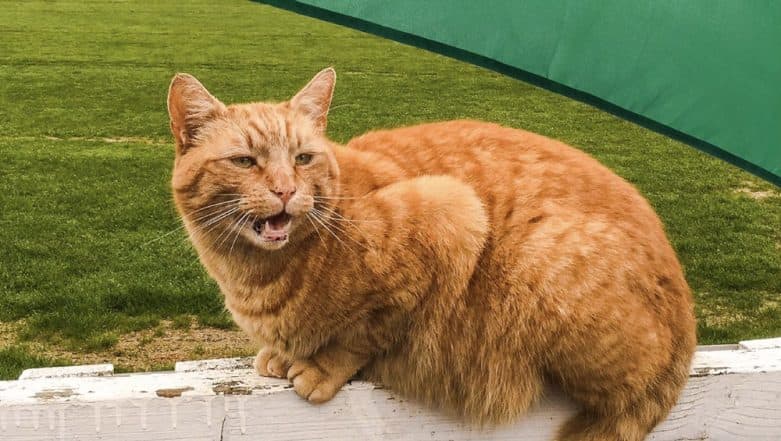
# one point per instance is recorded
(461, 263)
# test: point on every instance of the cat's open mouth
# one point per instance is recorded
(274, 228)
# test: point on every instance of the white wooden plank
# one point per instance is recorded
(765, 343)
(88, 370)
(736, 362)
(732, 395)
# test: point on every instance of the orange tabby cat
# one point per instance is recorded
(460, 263)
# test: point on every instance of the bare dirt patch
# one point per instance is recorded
(749, 189)
(151, 349)
(8, 332)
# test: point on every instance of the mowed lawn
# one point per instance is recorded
(85, 159)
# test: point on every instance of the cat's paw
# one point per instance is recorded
(312, 383)
(269, 363)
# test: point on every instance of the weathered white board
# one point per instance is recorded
(734, 394)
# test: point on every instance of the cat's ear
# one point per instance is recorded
(315, 98)
(190, 106)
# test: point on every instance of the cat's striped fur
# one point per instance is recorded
(460, 263)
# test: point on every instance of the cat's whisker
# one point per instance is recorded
(321, 222)
(196, 220)
(164, 235)
(204, 218)
(216, 204)
(225, 233)
(219, 207)
(211, 224)
(315, 227)
(317, 219)
(229, 201)
(212, 220)
(340, 229)
(214, 245)
(339, 216)
(217, 218)
(208, 217)
(240, 226)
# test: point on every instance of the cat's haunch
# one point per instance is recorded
(462, 264)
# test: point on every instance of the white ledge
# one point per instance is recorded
(734, 393)
(89, 370)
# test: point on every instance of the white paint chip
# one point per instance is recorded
(220, 363)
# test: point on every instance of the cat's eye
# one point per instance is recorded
(243, 161)
(303, 159)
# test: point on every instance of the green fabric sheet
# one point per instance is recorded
(707, 72)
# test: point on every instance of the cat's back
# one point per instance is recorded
(479, 152)
(511, 169)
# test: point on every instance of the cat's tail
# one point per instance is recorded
(635, 421)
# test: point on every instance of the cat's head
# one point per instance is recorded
(251, 172)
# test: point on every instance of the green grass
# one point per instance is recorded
(14, 359)
(77, 212)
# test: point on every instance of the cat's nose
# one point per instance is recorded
(284, 193)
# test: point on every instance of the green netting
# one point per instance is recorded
(704, 71)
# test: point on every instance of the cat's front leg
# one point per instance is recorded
(318, 378)
(271, 363)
